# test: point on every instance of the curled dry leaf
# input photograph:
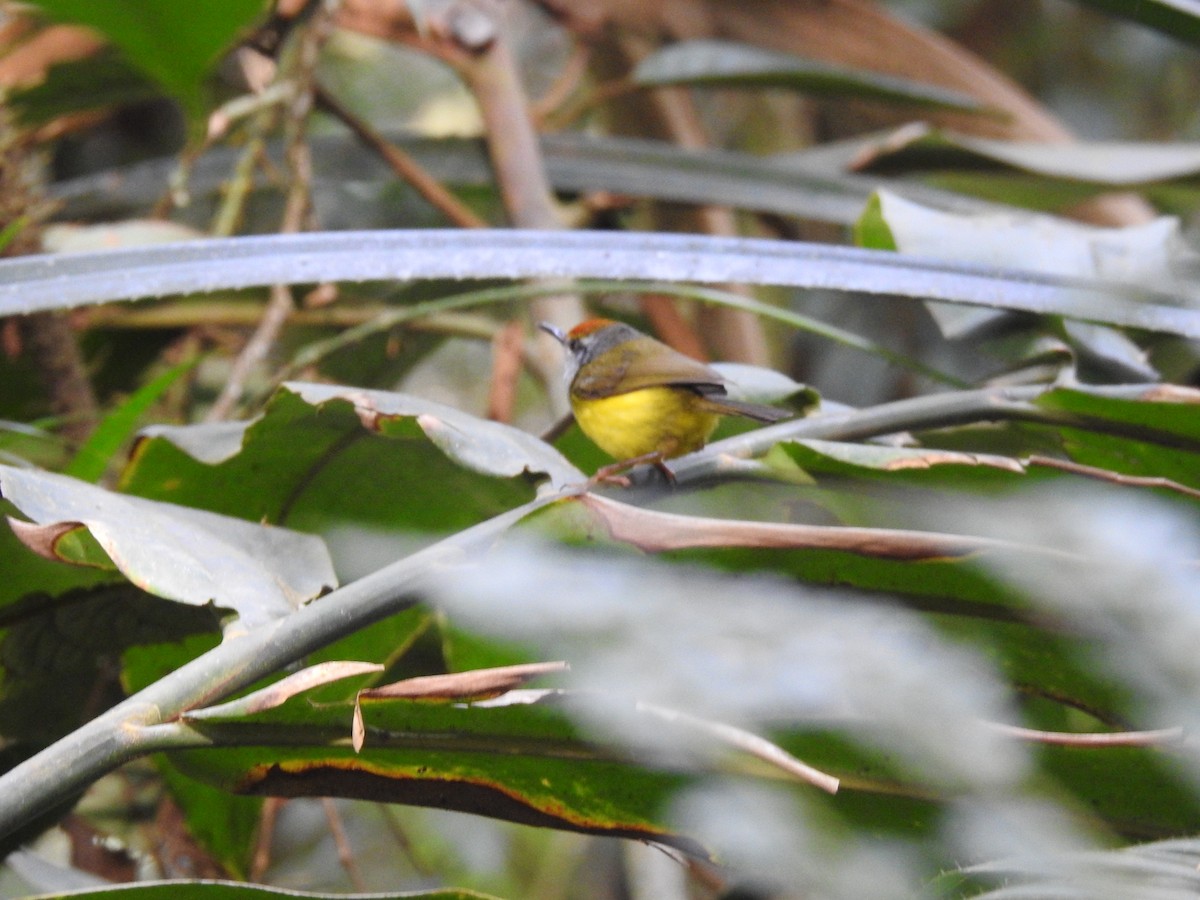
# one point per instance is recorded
(43, 539)
(478, 684)
(281, 691)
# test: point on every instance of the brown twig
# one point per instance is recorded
(486, 63)
(345, 852)
(734, 334)
(1075, 468)
(598, 96)
(261, 860)
(564, 85)
(402, 164)
(491, 73)
(508, 349)
(178, 853)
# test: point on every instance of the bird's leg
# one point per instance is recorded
(611, 474)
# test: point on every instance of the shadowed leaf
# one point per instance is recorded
(183, 554)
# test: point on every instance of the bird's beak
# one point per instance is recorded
(554, 331)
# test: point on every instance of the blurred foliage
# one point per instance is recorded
(937, 643)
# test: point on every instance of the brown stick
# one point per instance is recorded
(508, 349)
(344, 851)
(489, 68)
(402, 164)
(733, 334)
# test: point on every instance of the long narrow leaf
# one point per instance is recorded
(733, 65)
(1178, 18)
(810, 184)
(56, 282)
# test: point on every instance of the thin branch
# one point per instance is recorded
(508, 348)
(489, 68)
(344, 851)
(278, 311)
(1113, 477)
(914, 414)
(734, 334)
(564, 86)
(238, 189)
(261, 860)
(402, 164)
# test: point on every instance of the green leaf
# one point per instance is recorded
(174, 44)
(520, 761)
(183, 554)
(726, 64)
(322, 457)
(872, 230)
(1155, 435)
(94, 457)
(1107, 164)
(56, 650)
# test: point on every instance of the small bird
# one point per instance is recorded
(641, 401)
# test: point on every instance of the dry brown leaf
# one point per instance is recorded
(42, 539)
(477, 684)
(283, 690)
(657, 531)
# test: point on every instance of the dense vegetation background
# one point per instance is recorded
(296, 596)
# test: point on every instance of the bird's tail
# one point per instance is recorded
(757, 411)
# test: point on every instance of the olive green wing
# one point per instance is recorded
(643, 362)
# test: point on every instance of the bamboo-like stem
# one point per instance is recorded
(126, 731)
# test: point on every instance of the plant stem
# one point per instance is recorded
(68, 766)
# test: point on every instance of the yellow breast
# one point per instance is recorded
(667, 420)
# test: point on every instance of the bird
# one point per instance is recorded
(639, 400)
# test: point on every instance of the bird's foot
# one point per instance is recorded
(612, 473)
